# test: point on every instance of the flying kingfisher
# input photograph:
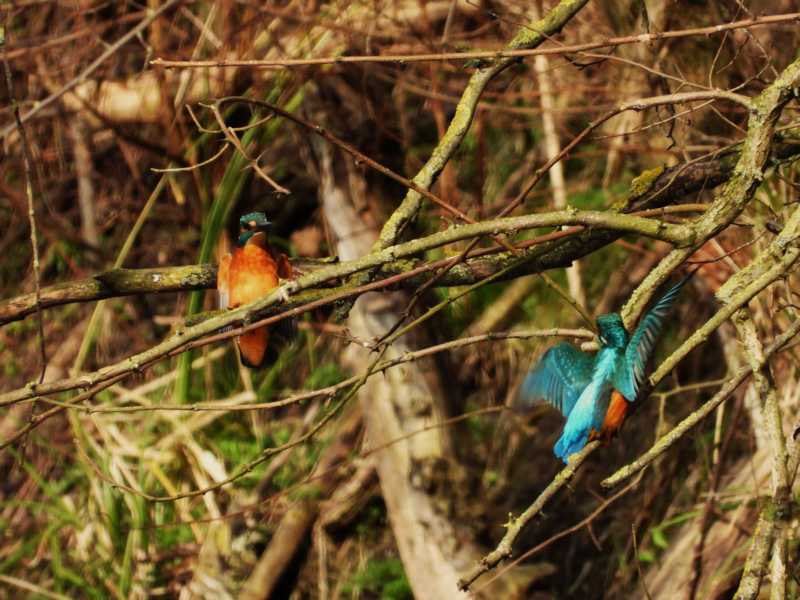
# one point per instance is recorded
(250, 272)
(593, 392)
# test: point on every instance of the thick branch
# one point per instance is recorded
(772, 264)
(124, 281)
(737, 192)
(118, 282)
(654, 188)
(768, 526)
(728, 203)
(769, 266)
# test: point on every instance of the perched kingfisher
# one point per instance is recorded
(593, 392)
(250, 272)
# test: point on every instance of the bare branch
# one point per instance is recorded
(89, 70)
(644, 38)
(668, 440)
(27, 162)
(515, 525)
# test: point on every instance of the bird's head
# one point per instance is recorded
(612, 331)
(251, 224)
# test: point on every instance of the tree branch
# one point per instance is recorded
(666, 441)
(121, 282)
(644, 38)
(655, 188)
(728, 203)
(515, 525)
(526, 38)
(89, 70)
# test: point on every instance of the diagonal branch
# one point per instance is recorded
(728, 203)
(653, 188)
(771, 265)
(737, 192)
(516, 525)
(89, 70)
(528, 37)
(250, 312)
(669, 439)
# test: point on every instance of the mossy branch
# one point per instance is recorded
(729, 202)
(666, 441)
(653, 188)
(251, 312)
(527, 37)
(731, 199)
(757, 557)
(772, 264)
(124, 281)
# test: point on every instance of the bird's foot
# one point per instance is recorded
(605, 435)
(286, 289)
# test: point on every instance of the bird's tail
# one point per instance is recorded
(568, 445)
(253, 347)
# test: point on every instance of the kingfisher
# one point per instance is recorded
(593, 391)
(248, 273)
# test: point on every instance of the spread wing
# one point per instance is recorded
(558, 378)
(222, 281)
(630, 377)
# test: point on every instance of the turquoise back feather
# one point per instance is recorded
(590, 409)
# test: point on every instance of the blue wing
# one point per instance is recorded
(629, 378)
(558, 378)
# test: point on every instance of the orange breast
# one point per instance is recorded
(252, 274)
(615, 415)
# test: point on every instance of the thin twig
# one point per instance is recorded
(639, 564)
(486, 54)
(360, 157)
(666, 441)
(331, 390)
(638, 104)
(562, 534)
(27, 161)
(237, 143)
(84, 75)
(515, 525)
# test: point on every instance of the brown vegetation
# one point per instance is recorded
(457, 184)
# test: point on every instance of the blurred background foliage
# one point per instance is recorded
(68, 533)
